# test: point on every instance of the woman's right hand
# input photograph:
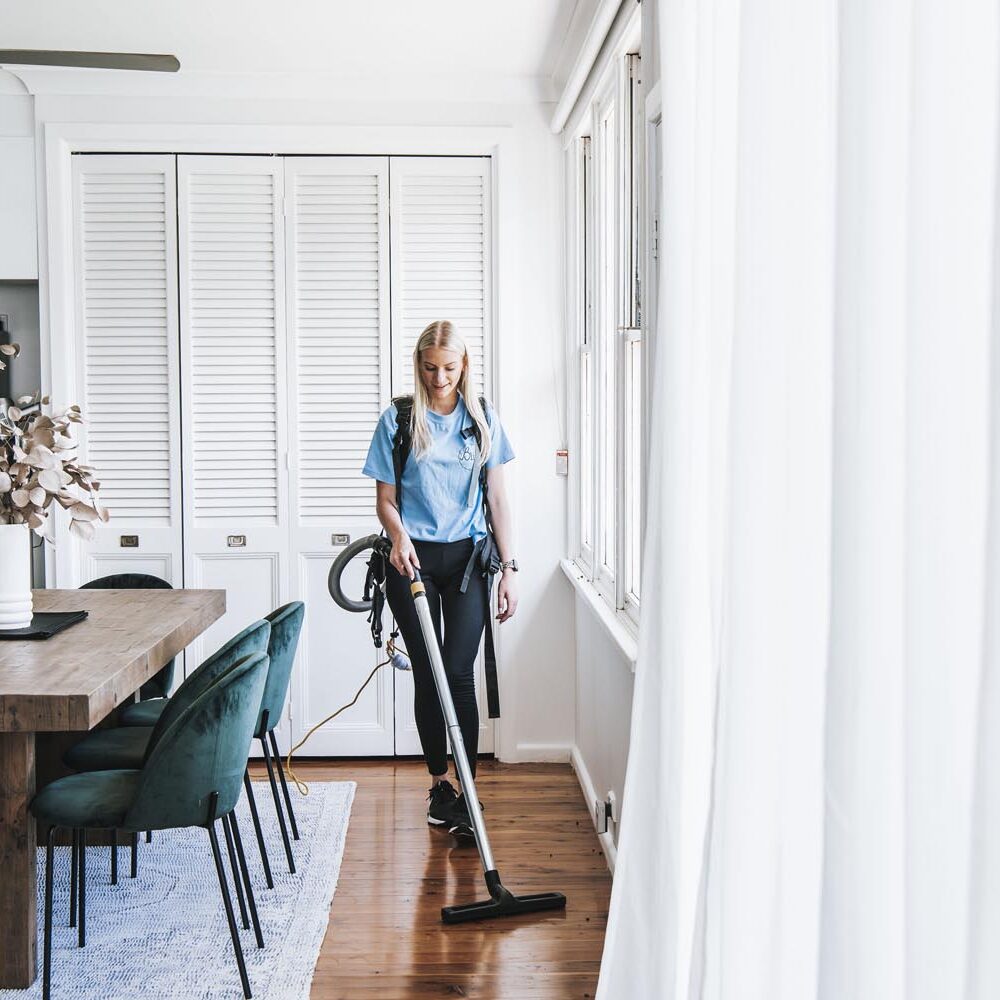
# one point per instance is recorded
(404, 556)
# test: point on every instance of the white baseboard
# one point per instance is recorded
(543, 753)
(590, 796)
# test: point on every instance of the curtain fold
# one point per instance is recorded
(811, 807)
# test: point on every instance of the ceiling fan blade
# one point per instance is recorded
(95, 60)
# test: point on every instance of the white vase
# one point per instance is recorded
(15, 576)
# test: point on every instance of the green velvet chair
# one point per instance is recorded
(157, 687)
(190, 778)
(130, 747)
(107, 750)
(286, 626)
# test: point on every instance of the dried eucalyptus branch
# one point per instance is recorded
(39, 466)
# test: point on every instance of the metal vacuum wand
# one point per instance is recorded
(502, 902)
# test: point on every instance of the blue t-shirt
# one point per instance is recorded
(436, 487)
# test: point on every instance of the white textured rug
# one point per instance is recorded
(164, 934)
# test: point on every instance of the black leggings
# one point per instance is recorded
(442, 565)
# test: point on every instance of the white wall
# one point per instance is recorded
(604, 680)
(537, 679)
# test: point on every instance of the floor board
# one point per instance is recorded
(386, 940)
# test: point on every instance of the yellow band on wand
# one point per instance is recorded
(416, 588)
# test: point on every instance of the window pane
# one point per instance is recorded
(586, 452)
(607, 335)
(633, 467)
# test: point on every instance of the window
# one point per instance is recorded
(607, 172)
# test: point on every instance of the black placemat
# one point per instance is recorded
(44, 625)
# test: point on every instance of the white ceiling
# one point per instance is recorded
(479, 42)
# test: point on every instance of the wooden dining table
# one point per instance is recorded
(69, 684)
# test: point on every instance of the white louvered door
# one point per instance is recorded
(233, 377)
(442, 268)
(338, 361)
(185, 288)
(126, 313)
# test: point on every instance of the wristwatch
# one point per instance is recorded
(509, 564)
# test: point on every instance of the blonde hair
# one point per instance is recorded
(442, 334)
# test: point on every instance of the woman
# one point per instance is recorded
(436, 529)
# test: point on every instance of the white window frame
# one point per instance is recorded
(581, 283)
(606, 341)
(615, 309)
(632, 433)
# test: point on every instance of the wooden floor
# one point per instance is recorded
(386, 940)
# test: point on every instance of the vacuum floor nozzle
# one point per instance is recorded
(502, 903)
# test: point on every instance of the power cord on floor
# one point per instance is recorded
(397, 657)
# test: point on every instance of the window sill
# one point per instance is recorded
(614, 623)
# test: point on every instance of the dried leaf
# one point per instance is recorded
(82, 529)
(51, 480)
(20, 498)
(11, 350)
(12, 411)
(38, 496)
(5, 482)
(83, 512)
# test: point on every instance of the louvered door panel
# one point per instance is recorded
(338, 341)
(232, 310)
(339, 326)
(441, 239)
(126, 305)
(441, 257)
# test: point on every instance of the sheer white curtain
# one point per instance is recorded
(812, 806)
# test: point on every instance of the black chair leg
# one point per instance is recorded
(135, 855)
(114, 857)
(248, 785)
(284, 785)
(228, 903)
(73, 876)
(251, 902)
(82, 929)
(277, 804)
(234, 865)
(47, 939)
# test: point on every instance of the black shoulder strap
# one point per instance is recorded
(482, 468)
(401, 443)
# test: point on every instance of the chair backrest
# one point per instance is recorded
(253, 639)
(204, 751)
(286, 624)
(159, 685)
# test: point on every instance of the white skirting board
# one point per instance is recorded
(590, 797)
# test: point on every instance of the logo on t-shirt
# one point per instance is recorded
(467, 456)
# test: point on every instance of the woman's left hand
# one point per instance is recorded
(506, 596)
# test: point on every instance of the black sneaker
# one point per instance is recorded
(461, 824)
(463, 833)
(442, 799)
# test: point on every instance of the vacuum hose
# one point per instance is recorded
(380, 544)
(372, 602)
